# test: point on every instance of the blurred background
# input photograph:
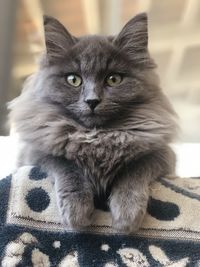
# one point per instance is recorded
(174, 42)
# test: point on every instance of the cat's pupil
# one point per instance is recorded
(113, 79)
(73, 80)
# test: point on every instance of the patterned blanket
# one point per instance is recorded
(31, 233)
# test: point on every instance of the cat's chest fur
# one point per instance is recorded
(100, 154)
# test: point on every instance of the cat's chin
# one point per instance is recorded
(93, 121)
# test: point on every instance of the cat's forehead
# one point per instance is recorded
(97, 52)
(94, 45)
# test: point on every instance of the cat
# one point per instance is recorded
(94, 116)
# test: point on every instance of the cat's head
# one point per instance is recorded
(96, 79)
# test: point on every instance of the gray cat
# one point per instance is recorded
(95, 118)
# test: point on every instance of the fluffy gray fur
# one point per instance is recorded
(121, 145)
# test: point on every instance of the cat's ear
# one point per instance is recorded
(57, 38)
(133, 38)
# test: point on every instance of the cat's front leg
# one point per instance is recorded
(130, 192)
(128, 202)
(74, 197)
(73, 193)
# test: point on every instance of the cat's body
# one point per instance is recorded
(97, 135)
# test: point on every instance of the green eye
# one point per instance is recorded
(73, 80)
(114, 79)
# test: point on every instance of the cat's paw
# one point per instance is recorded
(127, 219)
(128, 222)
(76, 210)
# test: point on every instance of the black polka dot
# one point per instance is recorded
(164, 211)
(37, 199)
(37, 174)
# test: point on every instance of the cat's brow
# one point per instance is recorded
(98, 63)
(75, 63)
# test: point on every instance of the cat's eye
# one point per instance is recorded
(114, 79)
(73, 79)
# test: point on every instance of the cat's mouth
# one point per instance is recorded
(92, 119)
(91, 113)
(91, 116)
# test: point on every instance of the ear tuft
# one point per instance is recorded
(58, 40)
(46, 19)
(133, 38)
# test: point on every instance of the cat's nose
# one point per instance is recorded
(92, 103)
